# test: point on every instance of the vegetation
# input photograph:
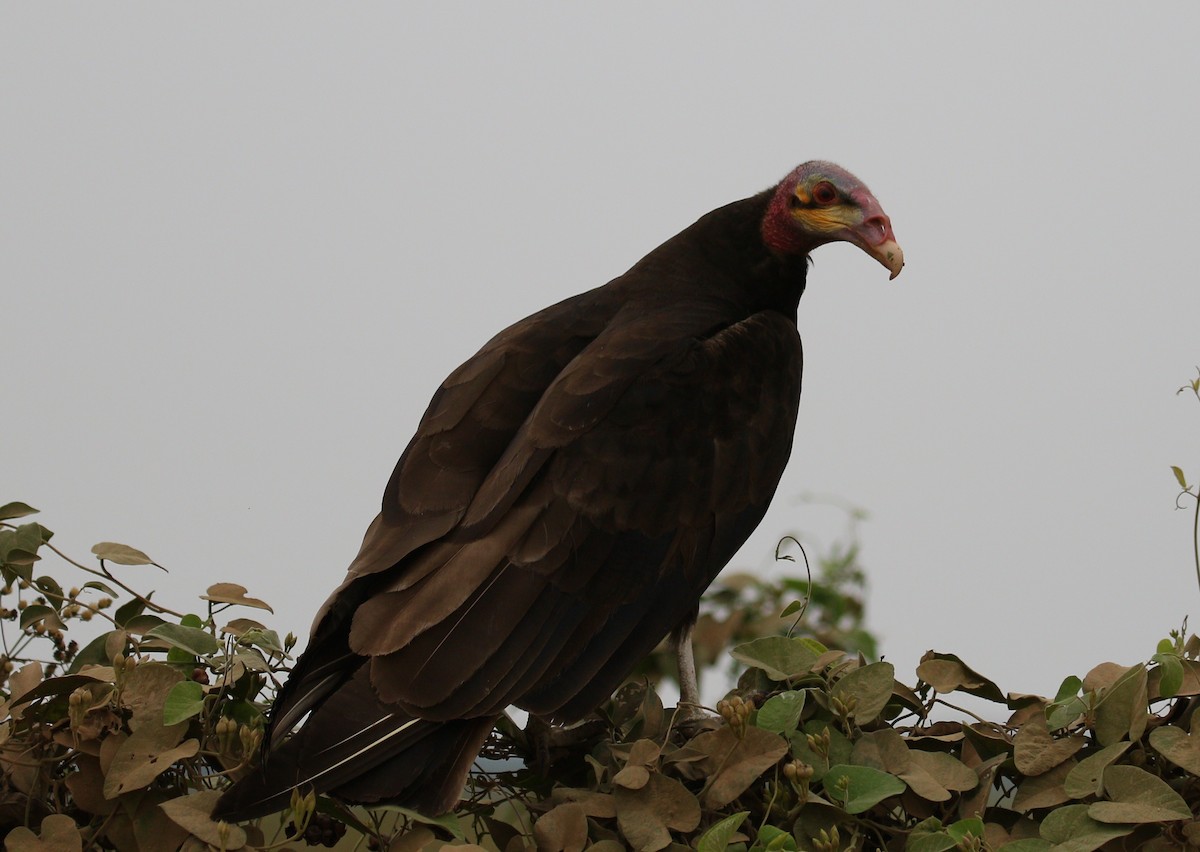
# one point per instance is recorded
(125, 743)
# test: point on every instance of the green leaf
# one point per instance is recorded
(860, 788)
(122, 554)
(1137, 797)
(39, 612)
(716, 839)
(1029, 844)
(62, 685)
(1059, 715)
(449, 822)
(142, 624)
(781, 713)
(16, 510)
(1121, 712)
(1068, 689)
(178, 655)
(129, 610)
(792, 608)
(185, 700)
(1172, 674)
(190, 639)
(771, 838)
(972, 826)
(840, 748)
(19, 547)
(929, 836)
(101, 587)
(49, 587)
(1179, 477)
(93, 653)
(1071, 825)
(780, 657)
(267, 639)
(1086, 778)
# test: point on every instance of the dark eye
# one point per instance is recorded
(824, 193)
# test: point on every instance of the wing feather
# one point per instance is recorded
(627, 485)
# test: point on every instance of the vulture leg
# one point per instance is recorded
(689, 688)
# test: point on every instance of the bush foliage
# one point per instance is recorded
(126, 742)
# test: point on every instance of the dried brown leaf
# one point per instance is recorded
(1103, 676)
(653, 717)
(146, 690)
(192, 813)
(109, 748)
(147, 753)
(1188, 687)
(1036, 752)
(153, 828)
(975, 803)
(1177, 746)
(733, 764)
(884, 749)
(562, 829)
(87, 786)
(1044, 791)
(644, 753)
(646, 815)
(21, 682)
(59, 834)
(947, 673)
(122, 554)
(598, 805)
(947, 772)
(232, 593)
(114, 643)
(632, 777)
(413, 840)
(988, 739)
(238, 626)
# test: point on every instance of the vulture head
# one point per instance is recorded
(820, 203)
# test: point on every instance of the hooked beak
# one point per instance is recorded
(889, 254)
(874, 235)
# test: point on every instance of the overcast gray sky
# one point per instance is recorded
(242, 245)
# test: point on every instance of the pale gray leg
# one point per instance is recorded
(689, 688)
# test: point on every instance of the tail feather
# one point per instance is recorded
(362, 751)
(430, 775)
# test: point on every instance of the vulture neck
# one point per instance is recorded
(722, 256)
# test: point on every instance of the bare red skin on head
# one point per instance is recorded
(780, 232)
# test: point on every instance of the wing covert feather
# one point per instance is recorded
(607, 545)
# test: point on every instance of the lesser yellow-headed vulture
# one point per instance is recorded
(571, 491)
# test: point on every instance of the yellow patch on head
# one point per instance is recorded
(826, 220)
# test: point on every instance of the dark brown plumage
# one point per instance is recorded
(571, 491)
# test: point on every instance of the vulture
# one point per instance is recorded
(570, 493)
